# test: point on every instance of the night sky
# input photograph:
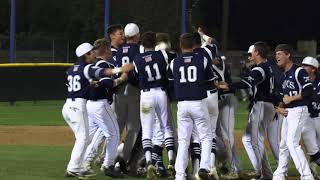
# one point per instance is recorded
(273, 21)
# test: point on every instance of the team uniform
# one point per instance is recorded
(74, 110)
(128, 99)
(226, 119)
(151, 72)
(296, 82)
(190, 74)
(102, 119)
(311, 129)
(209, 51)
(260, 80)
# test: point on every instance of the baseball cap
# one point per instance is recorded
(310, 61)
(131, 29)
(250, 50)
(83, 49)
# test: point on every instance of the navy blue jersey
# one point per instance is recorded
(295, 81)
(114, 54)
(314, 105)
(79, 76)
(104, 88)
(126, 54)
(209, 51)
(190, 74)
(261, 82)
(223, 73)
(151, 69)
(278, 80)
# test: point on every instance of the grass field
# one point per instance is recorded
(31, 162)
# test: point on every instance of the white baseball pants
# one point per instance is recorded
(311, 135)
(101, 114)
(75, 114)
(192, 114)
(291, 130)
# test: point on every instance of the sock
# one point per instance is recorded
(156, 154)
(169, 142)
(213, 153)
(195, 157)
(147, 148)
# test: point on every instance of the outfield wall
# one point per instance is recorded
(33, 81)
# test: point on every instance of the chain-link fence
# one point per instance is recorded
(36, 50)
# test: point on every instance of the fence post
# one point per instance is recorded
(53, 51)
(68, 51)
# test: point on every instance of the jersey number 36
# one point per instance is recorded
(74, 83)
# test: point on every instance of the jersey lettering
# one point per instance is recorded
(74, 83)
(191, 74)
(148, 70)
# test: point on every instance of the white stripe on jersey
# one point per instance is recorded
(165, 55)
(308, 84)
(105, 78)
(209, 52)
(246, 83)
(261, 72)
(141, 49)
(205, 62)
(171, 68)
(114, 50)
(220, 72)
(86, 71)
(135, 67)
(100, 62)
(296, 73)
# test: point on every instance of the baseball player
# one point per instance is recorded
(311, 129)
(296, 89)
(101, 116)
(273, 127)
(209, 51)
(260, 80)
(158, 139)
(151, 72)
(74, 110)
(190, 71)
(115, 34)
(128, 95)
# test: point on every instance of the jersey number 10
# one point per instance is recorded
(191, 74)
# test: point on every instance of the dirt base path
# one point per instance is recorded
(36, 135)
(53, 135)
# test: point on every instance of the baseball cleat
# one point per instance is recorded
(230, 176)
(171, 171)
(161, 172)
(151, 172)
(214, 174)
(203, 174)
(78, 175)
(112, 172)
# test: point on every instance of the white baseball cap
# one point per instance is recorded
(250, 50)
(131, 29)
(83, 49)
(311, 62)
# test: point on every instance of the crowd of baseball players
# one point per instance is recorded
(119, 97)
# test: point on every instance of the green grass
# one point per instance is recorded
(30, 162)
(40, 113)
